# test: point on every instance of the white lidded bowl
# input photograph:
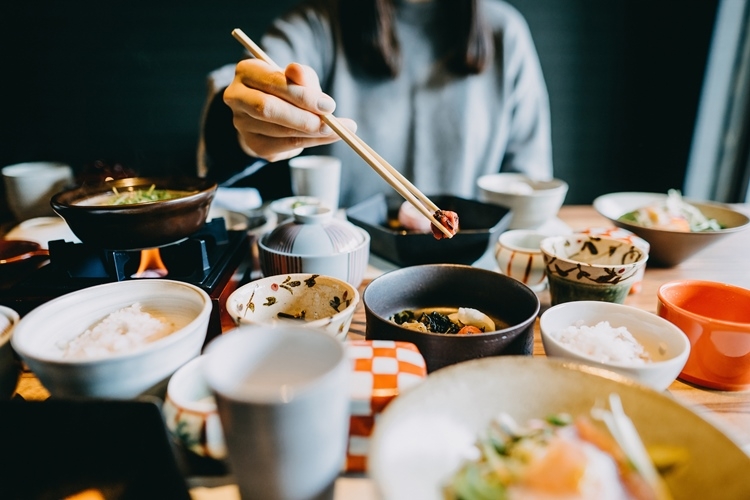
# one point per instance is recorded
(40, 336)
(666, 344)
(318, 243)
(302, 299)
(532, 202)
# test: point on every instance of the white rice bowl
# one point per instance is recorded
(665, 344)
(41, 335)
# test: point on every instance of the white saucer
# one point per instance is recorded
(42, 230)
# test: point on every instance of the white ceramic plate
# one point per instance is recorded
(421, 436)
(42, 230)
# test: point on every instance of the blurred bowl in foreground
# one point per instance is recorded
(668, 247)
(423, 435)
(716, 319)
(533, 202)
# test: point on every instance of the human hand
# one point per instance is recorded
(277, 114)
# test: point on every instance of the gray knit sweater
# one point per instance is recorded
(442, 131)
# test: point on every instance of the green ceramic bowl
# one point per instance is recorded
(589, 267)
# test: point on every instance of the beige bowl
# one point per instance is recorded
(533, 202)
(423, 434)
(670, 248)
(309, 300)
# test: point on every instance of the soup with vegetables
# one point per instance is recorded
(133, 196)
(448, 320)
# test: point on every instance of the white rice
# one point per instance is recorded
(124, 330)
(603, 343)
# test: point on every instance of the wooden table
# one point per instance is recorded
(725, 261)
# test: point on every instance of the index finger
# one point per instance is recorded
(297, 85)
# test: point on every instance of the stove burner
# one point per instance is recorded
(191, 259)
(208, 259)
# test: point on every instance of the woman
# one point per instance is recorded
(444, 90)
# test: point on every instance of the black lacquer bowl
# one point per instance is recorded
(452, 286)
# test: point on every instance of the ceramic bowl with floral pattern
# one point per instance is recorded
(588, 267)
(311, 300)
(619, 233)
(190, 412)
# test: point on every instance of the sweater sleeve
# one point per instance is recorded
(529, 148)
(301, 35)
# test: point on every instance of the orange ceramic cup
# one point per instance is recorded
(716, 318)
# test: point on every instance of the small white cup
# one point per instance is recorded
(283, 400)
(518, 254)
(30, 186)
(317, 176)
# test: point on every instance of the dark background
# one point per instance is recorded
(125, 82)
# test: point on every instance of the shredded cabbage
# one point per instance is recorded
(672, 214)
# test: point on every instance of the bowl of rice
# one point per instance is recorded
(117, 340)
(617, 337)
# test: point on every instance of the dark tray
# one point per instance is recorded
(479, 226)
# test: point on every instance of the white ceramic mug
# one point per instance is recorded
(30, 186)
(283, 400)
(317, 176)
(518, 255)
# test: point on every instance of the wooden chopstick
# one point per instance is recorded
(392, 176)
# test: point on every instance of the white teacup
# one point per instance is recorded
(318, 177)
(30, 186)
(518, 255)
(283, 400)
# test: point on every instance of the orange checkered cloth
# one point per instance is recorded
(381, 370)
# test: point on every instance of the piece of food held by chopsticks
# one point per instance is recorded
(412, 220)
(445, 223)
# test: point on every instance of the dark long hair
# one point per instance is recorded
(368, 30)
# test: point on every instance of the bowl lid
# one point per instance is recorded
(314, 231)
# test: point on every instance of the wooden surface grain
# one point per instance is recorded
(725, 261)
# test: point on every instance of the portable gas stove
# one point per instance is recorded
(209, 259)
